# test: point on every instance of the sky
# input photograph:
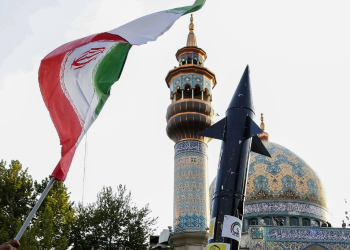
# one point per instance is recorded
(299, 58)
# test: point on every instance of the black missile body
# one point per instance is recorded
(238, 133)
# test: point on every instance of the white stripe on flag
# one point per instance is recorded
(147, 28)
(78, 78)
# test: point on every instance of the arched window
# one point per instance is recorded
(187, 92)
(178, 94)
(306, 222)
(267, 221)
(201, 61)
(195, 60)
(206, 95)
(197, 93)
(294, 221)
(253, 221)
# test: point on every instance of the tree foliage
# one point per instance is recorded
(112, 222)
(51, 226)
(16, 198)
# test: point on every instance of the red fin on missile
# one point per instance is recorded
(258, 147)
(216, 131)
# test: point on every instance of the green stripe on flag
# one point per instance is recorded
(196, 6)
(109, 71)
(188, 9)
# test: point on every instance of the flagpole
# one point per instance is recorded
(35, 208)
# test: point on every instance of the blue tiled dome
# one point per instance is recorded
(285, 176)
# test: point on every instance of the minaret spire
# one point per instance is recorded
(262, 125)
(191, 39)
(264, 136)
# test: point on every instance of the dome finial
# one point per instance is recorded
(191, 40)
(262, 125)
(263, 135)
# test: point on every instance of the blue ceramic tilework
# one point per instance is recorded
(273, 169)
(284, 176)
(190, 146)
(283, 238)
(190, 79)
(288, 182)
(257, 233)
(258, 245)
(190, 187)
(279, 207)
(305, 246)
(308, 234)
(261, 182)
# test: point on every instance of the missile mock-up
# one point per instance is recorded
(238, 133)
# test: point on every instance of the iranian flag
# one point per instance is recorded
(75, 79)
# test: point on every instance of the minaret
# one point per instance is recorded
(189, 113)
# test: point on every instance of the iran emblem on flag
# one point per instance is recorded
(86, 57)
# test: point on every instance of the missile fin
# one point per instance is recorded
(251, 128)
(216, 131)
(258, 147)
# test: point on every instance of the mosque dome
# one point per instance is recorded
(285, 176)
(283, 185)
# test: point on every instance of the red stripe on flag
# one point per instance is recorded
(61, 111)
(82, 41)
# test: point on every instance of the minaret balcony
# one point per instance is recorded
(187, 117)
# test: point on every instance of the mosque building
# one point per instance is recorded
(283, 187)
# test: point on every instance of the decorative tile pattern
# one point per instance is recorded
(191, 201)
(284, 176)
(257, 245)
(278, 207)
(190, 145)
(257, 233)
(305, 246)
(284, 207)
(299, 238)
(308, 234)
(192, 80)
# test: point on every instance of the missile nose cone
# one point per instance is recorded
(242, 97)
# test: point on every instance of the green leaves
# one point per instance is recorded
(112, 222)
(51, 225)
(16, 198)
